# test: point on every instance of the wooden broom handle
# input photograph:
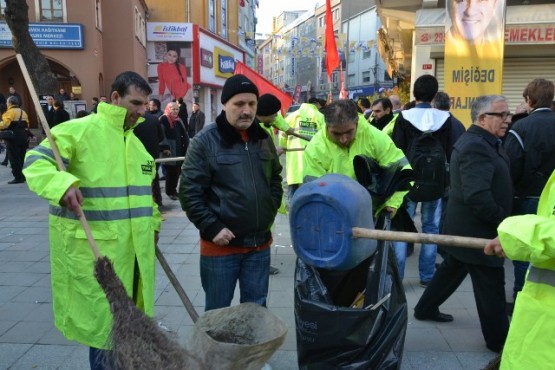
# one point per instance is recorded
(402, 236)
(59, 162)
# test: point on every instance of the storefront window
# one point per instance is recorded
(52, 10)
(2, 8)
(211, 16)
(224, 19)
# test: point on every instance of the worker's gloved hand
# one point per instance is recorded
(72, 200)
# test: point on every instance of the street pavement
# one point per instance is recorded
(29, 340)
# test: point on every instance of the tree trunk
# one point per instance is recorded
(17, 18)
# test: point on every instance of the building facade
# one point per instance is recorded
(415, 32)
(86, 42)
(293, 58)
(89, 42)
(208, 35)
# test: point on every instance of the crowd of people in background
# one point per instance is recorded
(496, 168)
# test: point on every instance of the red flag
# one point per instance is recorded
(332, 56)
(264, 86)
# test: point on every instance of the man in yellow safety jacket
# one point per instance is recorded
(348, 134)
(530, 342)
(307, 121)
(268, 112)
(108, 178)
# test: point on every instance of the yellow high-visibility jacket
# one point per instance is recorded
(307, 120)
(114, 173)
(323, 156)
(279, 123)
(388, 129)
(531, 343)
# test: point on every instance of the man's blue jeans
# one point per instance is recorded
(430, 216)
(101, 359)
(219, 277)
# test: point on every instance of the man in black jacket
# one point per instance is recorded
(196, 121)
(59, 115)
(231, 190)
(480, 198)
(150, 133)
(409, 126)
(531, 149)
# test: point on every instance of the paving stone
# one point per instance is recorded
(10, 353)
(48, 357)
(24, 279)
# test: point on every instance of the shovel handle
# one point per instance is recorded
(403, 236)
(177, 286)
(173, 159)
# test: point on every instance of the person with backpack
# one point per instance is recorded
(424, 134)
(480, 199)
(14, 124)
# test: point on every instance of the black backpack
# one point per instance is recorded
(429, 163)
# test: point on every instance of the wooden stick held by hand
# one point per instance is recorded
(59, 162)
(446, 240)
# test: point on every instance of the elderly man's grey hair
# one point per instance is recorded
(483, 104)
(13, 100)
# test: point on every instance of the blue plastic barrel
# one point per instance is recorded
(322, 215)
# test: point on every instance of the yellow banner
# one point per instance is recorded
(474, 43)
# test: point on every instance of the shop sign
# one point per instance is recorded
(206, 58)
(226, 63)
(48, 36)
(514, 34)
(169, 31)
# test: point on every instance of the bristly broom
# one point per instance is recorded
(137, 341)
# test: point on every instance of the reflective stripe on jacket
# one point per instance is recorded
(532, 238)
(114, 173)
(322, 156)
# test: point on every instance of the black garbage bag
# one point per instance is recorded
(332, 336)
(381, 182)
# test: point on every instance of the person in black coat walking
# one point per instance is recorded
(480, 198)
(150, 133)
(59, 115)
(183, 114)
(531, 149)
(196, 121)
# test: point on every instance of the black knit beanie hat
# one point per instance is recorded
(268, 104)
(237, 84)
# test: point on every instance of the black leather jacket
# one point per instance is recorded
(226, 182)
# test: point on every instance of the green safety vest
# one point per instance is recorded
(114, 173)
(279, 123)
(388, 129)
(530, 342)
(307, 120)
(323, 156)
